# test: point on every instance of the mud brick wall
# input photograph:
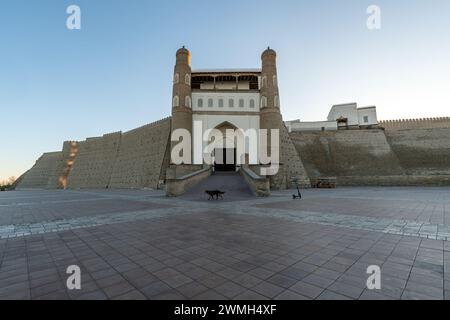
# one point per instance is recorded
(292, 163)
(422, 151)
(422, 123)
(140, 159)
(346, 153)
(93, 165)
(41, 175)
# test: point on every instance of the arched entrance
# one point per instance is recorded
(225, 152)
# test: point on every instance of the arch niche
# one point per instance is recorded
(224, 150)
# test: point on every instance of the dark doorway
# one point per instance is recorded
(225, 159)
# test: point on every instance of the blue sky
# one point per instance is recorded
(115, 73)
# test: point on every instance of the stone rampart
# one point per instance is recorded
(140, 159)
(41, 175)
(364, 152)
(422, 151)
(94, 162)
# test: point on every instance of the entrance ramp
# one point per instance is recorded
(232, 183)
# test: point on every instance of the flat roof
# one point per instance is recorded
(370, 107)
(240, 70)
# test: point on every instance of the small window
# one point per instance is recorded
(200, 103)
(241, 103)
(263, 82)
(263, 102)
(231, 103)
(220, 103)
(366, 119)
(275, 81)
(252, 103)
(210, 102)
(176, 78)
(276, 102)
(187, 101)
(187, 79)
(176, 101)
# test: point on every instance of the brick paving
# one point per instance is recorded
(138, 244)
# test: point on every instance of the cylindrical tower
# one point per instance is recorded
(270, 116)
(181, 94)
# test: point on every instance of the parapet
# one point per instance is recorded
(420, 123)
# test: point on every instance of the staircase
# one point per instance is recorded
(232, 183)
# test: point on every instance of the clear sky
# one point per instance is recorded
(115, 73)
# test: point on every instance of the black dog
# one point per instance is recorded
(216, 193)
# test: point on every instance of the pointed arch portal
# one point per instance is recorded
(224, 155)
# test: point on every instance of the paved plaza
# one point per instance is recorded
(140, 244)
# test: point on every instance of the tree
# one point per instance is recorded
(7, 184)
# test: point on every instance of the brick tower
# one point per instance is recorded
(270, 116)
(181, 94)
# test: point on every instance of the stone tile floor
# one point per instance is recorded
(138, 244)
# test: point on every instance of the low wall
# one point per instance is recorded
(398, 180)
(260, 186)
(177, 186)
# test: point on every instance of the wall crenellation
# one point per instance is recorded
(419, 123)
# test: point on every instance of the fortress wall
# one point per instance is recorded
(422, 151)
(141, 155)
(166, 159)
(362, 153)
(94, 162)
(43, 171)
(423, 123)
(292, 162)
(395, 180)
(58, 180)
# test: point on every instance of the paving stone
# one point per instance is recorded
(118, 289)
(250, 295)
(282, 281)
(290, 295)
(306, 289)
(262, 273)
(330, 295)
(318, 281)
(192, 289)
(230, 289)
(131, 295)
(346, 289)
(374, 295)
(209, 295)
(96, 295)
(151, 246)
(267, 289)
(154, 289)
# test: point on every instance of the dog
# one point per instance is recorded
(212, 193)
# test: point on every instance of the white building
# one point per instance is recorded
(341, 116)
(297, 125)
(350, 115)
